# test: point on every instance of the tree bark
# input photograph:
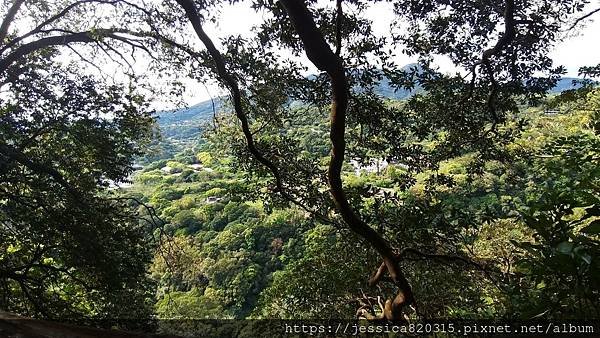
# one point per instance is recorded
(59, 40)
(8, 19)
(321, 55)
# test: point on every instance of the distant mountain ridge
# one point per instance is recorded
(199, 112)
(566, 83)
(191, 118)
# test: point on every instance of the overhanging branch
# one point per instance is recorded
(583, 18)
(9, 18)
(51, 41)
(191, 12)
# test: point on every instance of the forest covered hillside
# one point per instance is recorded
(182, 128)
(234, 254)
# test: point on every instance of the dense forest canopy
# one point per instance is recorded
(329, 182)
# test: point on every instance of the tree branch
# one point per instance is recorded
(339, 16)
(321, 55)
(583, 18)
(194, 17)
(34, 46)
(62, 13)
(8, 19)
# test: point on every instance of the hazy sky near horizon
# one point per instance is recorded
(576, 50)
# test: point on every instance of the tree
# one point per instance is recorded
(502, 45)
(70, 248)
(457, 115)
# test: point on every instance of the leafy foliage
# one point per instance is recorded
(69, 249)
(487, 205)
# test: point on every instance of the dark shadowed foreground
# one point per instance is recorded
(13, 326)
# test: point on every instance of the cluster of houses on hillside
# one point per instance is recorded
(196, 167)
(176, 172)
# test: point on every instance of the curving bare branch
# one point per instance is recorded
(581, 18)
(59, 40)
(192, 13)
(40, 28)
(321, 55)
(9, 18)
